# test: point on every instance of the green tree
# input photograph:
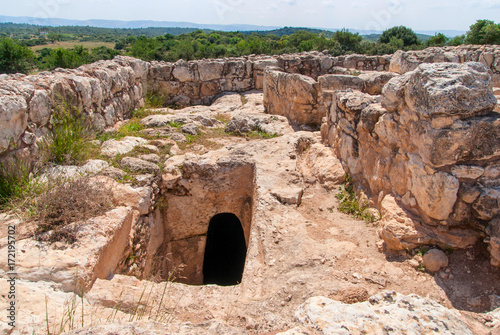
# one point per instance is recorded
(457, 40)
(407, 35)
(348, 41)
(15, 57)
(437, 40)
(483, 32)
(492, 34)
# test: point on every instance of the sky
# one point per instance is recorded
(355, 14)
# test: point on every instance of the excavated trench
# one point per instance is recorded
(199, 234)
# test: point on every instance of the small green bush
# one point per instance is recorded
(259, 134)
(71, 133)
(15, 182)
(349, 204)
(131, 128)
(155, 100)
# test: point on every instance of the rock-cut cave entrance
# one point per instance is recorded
(225, 251)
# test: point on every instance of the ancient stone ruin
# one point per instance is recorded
(237, 235)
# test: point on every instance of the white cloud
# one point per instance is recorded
(312, 12)
(328, 3)
(289, 2)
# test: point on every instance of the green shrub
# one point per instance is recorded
(15, 57)
(71, 133)
(131, 128)
(155, 100)
(349, 204)
(15, 182)
(403, 33)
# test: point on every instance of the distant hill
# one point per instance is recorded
(289, 31)
(16, 30)
(115, 24)
(54, 22)
(374, 37)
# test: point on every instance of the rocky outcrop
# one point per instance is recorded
(304, 100)
(386, 312)
(489, 55)
(292, 95)
(421, 151)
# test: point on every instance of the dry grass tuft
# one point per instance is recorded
(71, 201)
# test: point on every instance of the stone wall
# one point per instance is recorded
(305, 101)
(426, 153)
(106, 92)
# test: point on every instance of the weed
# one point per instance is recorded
(349, 204)
(225, 118)
(244, 100)
(71, 133)
(14, 180)
(354, 73)
(259, 134)
(422, 250)
(448, 249)
(69, 317)
(131, 128)
(155, 99)
(141, 113)
(175, 124)
(71, 201)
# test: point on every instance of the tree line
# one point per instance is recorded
(15, 56)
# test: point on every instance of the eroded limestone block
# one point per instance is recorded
(386, 310)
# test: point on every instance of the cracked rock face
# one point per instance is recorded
(386, 312)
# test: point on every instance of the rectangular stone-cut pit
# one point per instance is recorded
(191, 203)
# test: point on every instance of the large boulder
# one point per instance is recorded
(386, 312)
(292, 95)
(13, 119)
(113, 147)
(443, 89)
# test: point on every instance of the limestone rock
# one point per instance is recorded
(93, 166)
(113, 147)
(243, 123)
(320, 163)
(40, 107)
(434, 260)
(289, 196)
(402, 62)
(212, 327)
(336, 82)
(449, 89)
(101, 242)
(467, 171)
(113, 173)
(190, 129)
(137, 165)
(292, 95)
(435, 193)
(153, 158)
(494, 241)
(385, 312)
(375, 81)
(13, 120)
(178, 137)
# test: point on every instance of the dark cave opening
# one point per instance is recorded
(225, 251)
